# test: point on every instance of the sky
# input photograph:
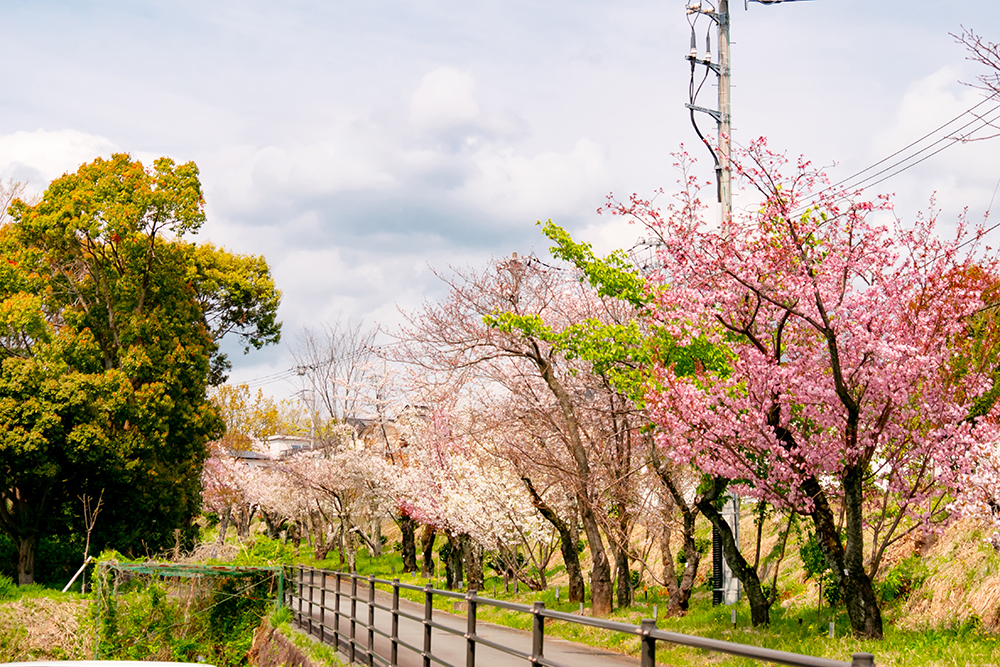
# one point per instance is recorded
(362, 146)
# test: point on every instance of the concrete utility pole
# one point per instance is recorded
(725, 587)
(723, 115)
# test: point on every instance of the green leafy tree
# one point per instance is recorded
(109, 330)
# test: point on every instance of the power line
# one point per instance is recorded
(913, 143)
(300, 370)
(911, 160)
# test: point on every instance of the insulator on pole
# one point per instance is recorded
(694, 44)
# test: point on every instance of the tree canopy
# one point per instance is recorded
(110, 324)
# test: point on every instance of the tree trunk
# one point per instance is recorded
(601, 593)
(295, 534)
(243, 518)
(847, 563)
(451, 554)
(27, 547)
(352, 550)
(624, 577)
(272, 526)
(341, 547)
(376, 538)
(669, 571)
(760, 605)
(569, 539)
(322, 546)
(407, 529)
(427, 545)
(224, 519)
(680, 592)
(472, 560)
(601, 590)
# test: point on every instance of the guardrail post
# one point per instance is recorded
(371, 620)
(470, 629)
(394, 640)
(647, 654)
(336, 615)
(537, 632)
(862, 660)
(428, 616)
(354, 617)
(312, 571)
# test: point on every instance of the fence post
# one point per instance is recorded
(428, 616)
(354, 616)
(312, 572)
(394, 640)
(470, 629)
(299, 580)
(371, 620)
(322, 610)
(281, 587)
(336, 615)
(537, 632)
(862, 660)
(647, 654)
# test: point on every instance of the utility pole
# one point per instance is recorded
(725, 586)
(723, 114)
(725, 173)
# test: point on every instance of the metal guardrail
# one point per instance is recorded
(310, 614)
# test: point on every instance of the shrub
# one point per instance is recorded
(214, 620)
(901, 580)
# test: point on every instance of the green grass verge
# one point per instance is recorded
(794, 629)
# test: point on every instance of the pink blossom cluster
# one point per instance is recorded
(840, 326)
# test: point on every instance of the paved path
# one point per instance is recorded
(447, 647)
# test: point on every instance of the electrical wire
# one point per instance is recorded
(951, 141)
(912, 143)
(297, 371)
(990, 207)
(910, 161)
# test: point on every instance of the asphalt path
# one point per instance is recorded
(448, 648)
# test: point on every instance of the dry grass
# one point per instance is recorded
(211, 550)
(964, 583)
(43, 629)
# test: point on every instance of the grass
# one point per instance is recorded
(797, 628)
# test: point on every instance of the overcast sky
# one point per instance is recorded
(357, 144)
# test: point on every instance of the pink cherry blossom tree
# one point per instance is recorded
(839, 391)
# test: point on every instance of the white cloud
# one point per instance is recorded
(446, 97)
(525, 188)
(955, 174)
(355, 143)
(929, 102)
(42, 155)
